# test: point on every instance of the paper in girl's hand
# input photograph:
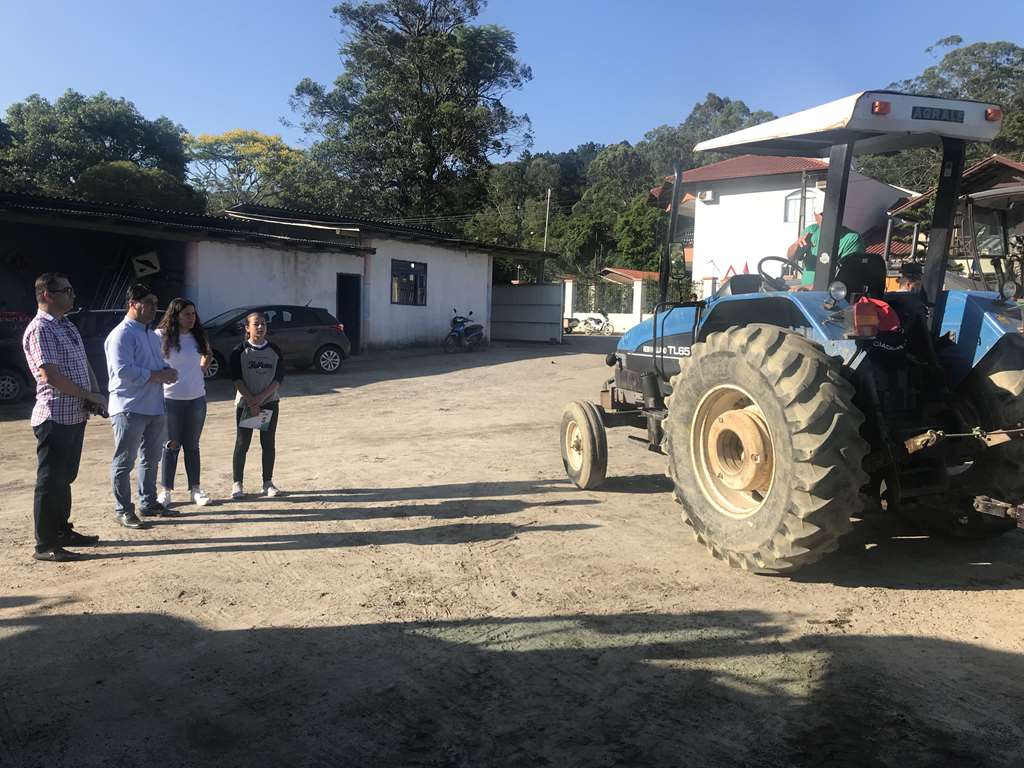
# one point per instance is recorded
(260, 422)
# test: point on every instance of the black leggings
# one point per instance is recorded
(244, 436)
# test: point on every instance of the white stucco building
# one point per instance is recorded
(397, 286)
(390, 285)
(747, 207)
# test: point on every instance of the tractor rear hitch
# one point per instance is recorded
(989, 506)
(935, 436)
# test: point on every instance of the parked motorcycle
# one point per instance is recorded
(571, 324)
(599, 324)
(465, 335)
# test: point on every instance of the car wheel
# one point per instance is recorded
(216, 367)
(12, 386)
(328, 359)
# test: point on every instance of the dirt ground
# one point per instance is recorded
(433, 592)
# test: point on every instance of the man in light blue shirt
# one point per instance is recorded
(137, 372)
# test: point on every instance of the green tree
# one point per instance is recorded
(52, 144)
(410, 125)
(991, 72)
(516, 203)
(715, 116)
(241, 166)
(639, 235)
(126, 183)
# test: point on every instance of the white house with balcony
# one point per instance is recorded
(749, 207)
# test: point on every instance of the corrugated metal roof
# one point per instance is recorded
(382, 227)
(115, 214)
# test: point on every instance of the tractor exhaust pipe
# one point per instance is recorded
(666, 252)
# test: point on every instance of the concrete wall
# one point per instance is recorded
(219, 276)
(224, 275)
(748, 222)
(459, 279)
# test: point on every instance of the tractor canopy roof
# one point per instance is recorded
(874, 121)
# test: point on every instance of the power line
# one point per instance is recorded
(559, 208)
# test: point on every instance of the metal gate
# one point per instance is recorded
(527, 312)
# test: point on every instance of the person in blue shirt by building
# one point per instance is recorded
(137, 372)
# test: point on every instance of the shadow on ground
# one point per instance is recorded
(698, 689)
(385, 365)
(888, 553)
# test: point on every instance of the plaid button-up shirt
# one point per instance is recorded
(49, 341)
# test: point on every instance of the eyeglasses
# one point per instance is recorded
(149, 302)
(66, 289)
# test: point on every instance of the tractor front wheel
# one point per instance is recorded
(764, 448)
(584, 444)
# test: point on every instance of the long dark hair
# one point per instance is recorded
(171, 328)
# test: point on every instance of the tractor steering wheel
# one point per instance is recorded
(775, 283)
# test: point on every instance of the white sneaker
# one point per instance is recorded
(270, 490)
(200, 497)
(164, 497)
(236, 491)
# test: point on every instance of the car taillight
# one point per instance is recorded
(993, 114)
(340, 328)
(865, 319)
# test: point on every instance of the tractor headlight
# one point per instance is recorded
(1009, 289)
(837, 291)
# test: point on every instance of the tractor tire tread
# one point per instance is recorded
(828, 448)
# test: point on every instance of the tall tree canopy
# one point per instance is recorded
(51, 145)
(242, 166)
(715, 116)
(410, 125)
(982, 71)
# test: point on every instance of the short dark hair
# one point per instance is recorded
(138, 292)
(48, 282)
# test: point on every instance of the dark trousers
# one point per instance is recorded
(59, 451)
(185, 420)
(267, 442)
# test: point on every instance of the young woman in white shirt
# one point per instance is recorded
(187, 350)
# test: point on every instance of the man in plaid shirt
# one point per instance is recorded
(65, 396)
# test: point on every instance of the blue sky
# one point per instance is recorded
(604, 70)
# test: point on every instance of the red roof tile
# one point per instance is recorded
(976, 169)
(631, 274)
(874, 242)
(742, 167)
(747, 166)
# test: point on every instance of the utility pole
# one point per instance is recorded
(547, 215)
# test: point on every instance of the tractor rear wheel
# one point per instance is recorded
(995, 393)
(764, 448)
(584, 444)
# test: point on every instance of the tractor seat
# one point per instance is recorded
(863, 274)
(738, 284)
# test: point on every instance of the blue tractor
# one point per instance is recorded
(782, 413)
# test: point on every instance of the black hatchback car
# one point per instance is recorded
(17, 382)
(306, 336)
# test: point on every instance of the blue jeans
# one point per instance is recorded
(185, 419)
(136, 434)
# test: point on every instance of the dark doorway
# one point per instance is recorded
(350, 307)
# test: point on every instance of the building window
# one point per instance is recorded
(792, 214)
(408, 283)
